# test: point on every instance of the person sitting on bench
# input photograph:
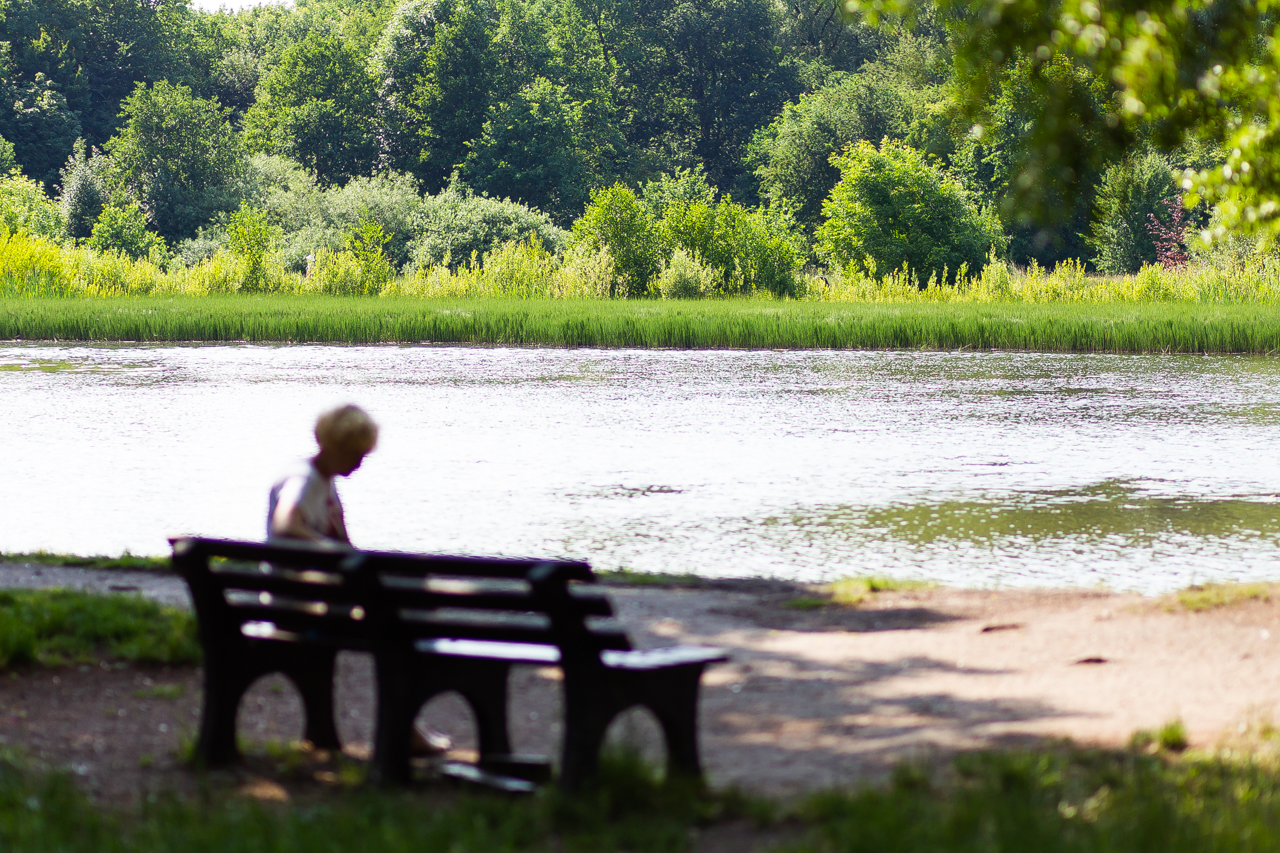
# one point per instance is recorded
(305, 505)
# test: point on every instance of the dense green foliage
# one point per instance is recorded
(458, 126)
(892, 209)
(55, 627)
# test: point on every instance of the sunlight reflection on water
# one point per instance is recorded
(1144, 472)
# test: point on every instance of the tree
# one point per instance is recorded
(437, 74)
(84, 191)
(36, 120)
(893, 208)
(530, 151)
(178, 156)
(1001, 161)
(616, 220)
(1130, 194)
(1176, 70)
(316, 106)
(792, 155)
(93, 53)
(729, 67)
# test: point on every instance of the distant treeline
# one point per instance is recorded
(150, 124)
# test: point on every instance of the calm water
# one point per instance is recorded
(977, 469)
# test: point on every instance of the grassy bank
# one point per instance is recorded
(706, 324)
(1053, 799)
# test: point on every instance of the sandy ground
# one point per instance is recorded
(812, 699)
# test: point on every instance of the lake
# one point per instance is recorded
(975, 469)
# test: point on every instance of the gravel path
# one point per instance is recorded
(811, 699)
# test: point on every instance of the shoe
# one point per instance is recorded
(428, 740)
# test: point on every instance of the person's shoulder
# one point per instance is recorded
(301, 471)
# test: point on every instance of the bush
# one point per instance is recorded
(616, 220)
(359, 269)
(250, 238)
(123, 229)
(457, 225)
(894, 208)
(1130, 192)
(25, 207)
(752, 250)
(684, 278)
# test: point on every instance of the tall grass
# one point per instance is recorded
(694, 324)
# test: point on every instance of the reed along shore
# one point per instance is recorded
(704, 324)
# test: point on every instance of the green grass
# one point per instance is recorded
(627, 811)
(57, 627)
(709, 324)
(1056, 799)
(124, 561)
(1211, 596)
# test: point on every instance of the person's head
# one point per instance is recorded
(345, 435)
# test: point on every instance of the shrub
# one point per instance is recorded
(681, 186)
(360, 269)
(1130, 192)
(25, 207)
(684, 278)
(894, 208)
(457, 225)
(365, 243)
(584, 274)
(750, 250)
(335, 273)
(250, 239)
(123, 229)
(30, 266)
(616, 220)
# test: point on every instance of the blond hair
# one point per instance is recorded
(347, 427)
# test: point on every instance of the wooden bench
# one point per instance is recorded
(434, 624)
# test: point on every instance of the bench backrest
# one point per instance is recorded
(529, 602)
(299, 592)
(354, 599)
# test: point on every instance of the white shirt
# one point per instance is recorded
(316, 498)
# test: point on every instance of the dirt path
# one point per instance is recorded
(812, 699)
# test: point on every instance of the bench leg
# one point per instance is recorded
(224, 684)
(673, 697)
(587, 714)
(484, 687)
(394, 727)
(314, 678)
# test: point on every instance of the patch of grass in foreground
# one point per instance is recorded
(1210, 596)
(628, 810)
(1058, 799)
(124, 561)
(56, 627)
(698, 324)
(1063, 800)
